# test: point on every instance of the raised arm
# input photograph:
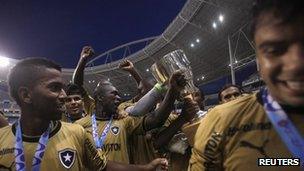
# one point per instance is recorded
(142, 83)
(86, 53)
(128, 66)
(148, 101)
(177, 82)
(189, 110)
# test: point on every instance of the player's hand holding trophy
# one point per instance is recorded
(173, 61)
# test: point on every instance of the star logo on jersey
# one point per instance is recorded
(67, 157)
(115, 130)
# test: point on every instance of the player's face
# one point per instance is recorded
(111, 99)
(229, 94)
(48, 96)
(198, 98)
(74, 104)
(280, 51)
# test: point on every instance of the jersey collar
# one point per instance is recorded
(55, 129)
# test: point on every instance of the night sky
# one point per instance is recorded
(58, 29)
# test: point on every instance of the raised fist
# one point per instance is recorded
(177, 80)
(126, 65)
(87, 52)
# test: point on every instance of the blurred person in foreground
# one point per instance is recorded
(268, 124)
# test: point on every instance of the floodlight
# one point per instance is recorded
(221, 18)
(4, 61)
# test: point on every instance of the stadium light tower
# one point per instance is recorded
(4, 61)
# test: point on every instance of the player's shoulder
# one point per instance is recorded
(5, 129)
(236, 107)
(124, 105)
(71, 127)
(234, 111)
(6, 136)
(84, 122)
(238, 103)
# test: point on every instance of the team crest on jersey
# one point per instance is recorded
(67, 157)
(115, 130)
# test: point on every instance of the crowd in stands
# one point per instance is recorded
(63, 127)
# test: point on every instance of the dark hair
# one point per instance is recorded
(100, 88)
(287, 10)
(226, 87)
(26, 72)
(72, 89)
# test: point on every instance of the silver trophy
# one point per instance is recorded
(173, 61)
(162, 70)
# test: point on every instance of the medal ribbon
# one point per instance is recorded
(19, 150)
(99, 141)
(284, 127)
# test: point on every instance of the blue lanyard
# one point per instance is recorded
(19, 150)
(99, 141)
(284, 127)
(69, 118)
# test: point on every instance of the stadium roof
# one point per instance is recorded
(201, 29)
